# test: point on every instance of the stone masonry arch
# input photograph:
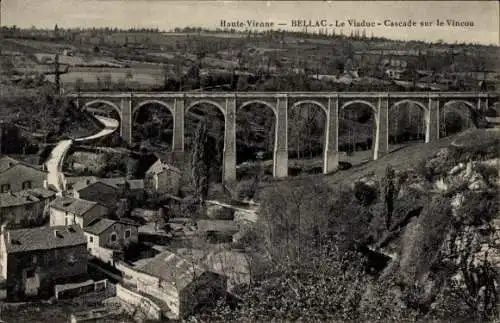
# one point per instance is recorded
(162, 103)
(267, 104)
(105, 102)
(422, 106)
(167, 106)
(330, 162)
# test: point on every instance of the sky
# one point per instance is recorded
(168, 14)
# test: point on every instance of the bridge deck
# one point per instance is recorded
(309, 95)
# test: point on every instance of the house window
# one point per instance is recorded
(113, 237)
(91, 239)
(30, 273)
(35, 259)
(71, 260)
(128, 233)
(5, 188)
(26, 185)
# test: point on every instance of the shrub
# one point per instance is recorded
(477, 208)
(364, 193)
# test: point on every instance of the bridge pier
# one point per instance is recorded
(280, 160)
(229, 157)
(331, 150)
(432, 121)
(381, 146)
(126, 119)
(178, 132)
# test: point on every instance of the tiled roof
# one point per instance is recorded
(115, 182)
(172, 268)
(24, 197)
(7, 163)
(77, 183)
(73, 205)
(99, 226)
(159, 167)
(44, 238)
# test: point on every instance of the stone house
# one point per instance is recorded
(108, 191)
(25, 208)
(98, 191)
(34, 260)
(181, 285)
(106, 237)
(66, 210)
(162, 178)
(217, 231)
(16, 176)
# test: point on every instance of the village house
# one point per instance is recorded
(16, 175)
(180, 284)
(34, 260)
(97, 191)
(217, 231)
(108, 191)
(25, 208)
(67, 210)
(106, 237)
(162, 178)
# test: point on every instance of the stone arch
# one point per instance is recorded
(468, 113)
(419, 104)
(143, 103)
(323, 138)
(241, 152)
(375, 125)
(210, 102)
(136, 110)
(108, 103)
(371, 105)
(267, 104)
(218, 148)
(316, 103)
(422, 106)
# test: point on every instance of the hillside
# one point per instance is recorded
(410, 237)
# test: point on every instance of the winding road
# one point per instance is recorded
(54, 163)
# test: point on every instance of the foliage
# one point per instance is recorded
(421, 247)
(364, 193)
(477, 208)
(200, 164)
(389, 192)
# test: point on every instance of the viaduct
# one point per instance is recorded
(179, 103)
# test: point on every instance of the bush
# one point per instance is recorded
(477, 208)
(364, 193)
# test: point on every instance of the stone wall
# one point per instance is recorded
(145, 305)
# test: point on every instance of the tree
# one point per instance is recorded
(389, 193)
(200, 164)
(57, 73)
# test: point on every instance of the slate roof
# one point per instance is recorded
(11, 199)
(99, 226)
(72, 205)
(159, 167)
(7, 163)
(115, 182)
(172, 268)
(44, 238)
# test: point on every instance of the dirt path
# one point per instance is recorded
(55, 176)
